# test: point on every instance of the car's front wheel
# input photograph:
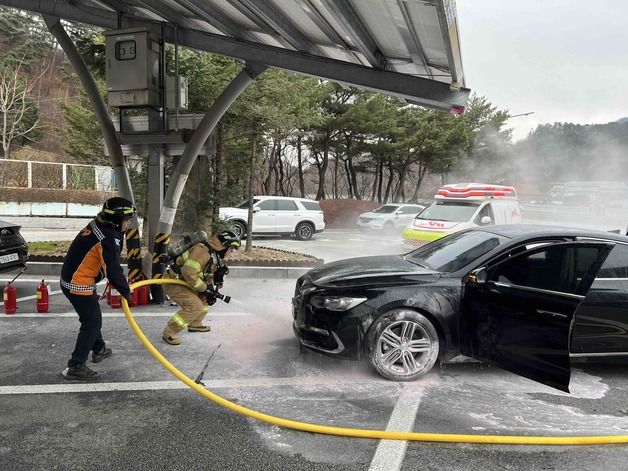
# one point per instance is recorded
(240, 229)
(304, 231)
(403, 345)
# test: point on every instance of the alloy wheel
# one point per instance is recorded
(406, 348)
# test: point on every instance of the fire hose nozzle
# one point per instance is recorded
(222, 297)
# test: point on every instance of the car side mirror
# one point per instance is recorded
(478, 276)
(486, 220)
(256, 209)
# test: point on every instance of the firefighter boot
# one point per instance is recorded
(171, 339)
(199, 328)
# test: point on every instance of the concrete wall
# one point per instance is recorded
(12, 208)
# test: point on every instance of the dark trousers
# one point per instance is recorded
(89, 337)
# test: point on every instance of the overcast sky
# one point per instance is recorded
(566, 60)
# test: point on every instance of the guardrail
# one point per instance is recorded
(56, 175)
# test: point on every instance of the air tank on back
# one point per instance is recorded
(185, 242)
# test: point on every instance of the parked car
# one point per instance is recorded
(522, 297)
(277, 215)
(389, 217)
(13, 247)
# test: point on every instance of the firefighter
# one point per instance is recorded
(201, 267)
(93, 255)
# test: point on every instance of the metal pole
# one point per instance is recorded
(176, 78)
(192, 149)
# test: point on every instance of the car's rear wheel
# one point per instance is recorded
(240, 229)
(403, 345)
(304, 231)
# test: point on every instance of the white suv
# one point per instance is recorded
(277, 215)
(389, 217)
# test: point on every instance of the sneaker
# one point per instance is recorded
(100, 356)
(81, 374)
(171, 340)
(200, 328)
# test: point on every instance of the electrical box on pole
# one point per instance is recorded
(133, 68)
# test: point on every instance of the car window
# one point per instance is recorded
(311, 205)
(453, 252)
(410, 210)
(286, 205)
(245, 204)
(449, 211)
(553, 267)
(487, 210)
(386, 209)
(616, 264)
(267, 205)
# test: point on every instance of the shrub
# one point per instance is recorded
(343, 213)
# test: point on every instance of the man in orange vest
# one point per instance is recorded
(94, 254)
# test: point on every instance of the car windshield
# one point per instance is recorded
(386, 209)
(449, 211)
(455, 251)
(245, 204)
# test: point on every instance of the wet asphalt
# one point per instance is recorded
(140, 418)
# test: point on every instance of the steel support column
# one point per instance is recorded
(182, 170)
(109, 135)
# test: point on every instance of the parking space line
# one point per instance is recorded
(390, 453)
(260, 382)
(26, 298)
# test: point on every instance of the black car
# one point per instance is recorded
(525, 298)
(13, 248)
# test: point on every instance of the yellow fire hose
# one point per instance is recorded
(353, 432)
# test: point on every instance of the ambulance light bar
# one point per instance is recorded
(475, 191)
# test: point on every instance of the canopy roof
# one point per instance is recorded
(407, 48)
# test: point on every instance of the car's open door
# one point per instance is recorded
(517, 310)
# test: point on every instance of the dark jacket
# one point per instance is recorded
(94, 254)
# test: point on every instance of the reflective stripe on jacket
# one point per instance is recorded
(193, 266)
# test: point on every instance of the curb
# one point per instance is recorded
(54, 269)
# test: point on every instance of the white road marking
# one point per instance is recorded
(78, 387)
(121, 314)
(390, 453)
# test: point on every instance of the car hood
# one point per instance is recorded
(5, 224)
(372, 215)
(232, 210)
(371, 271)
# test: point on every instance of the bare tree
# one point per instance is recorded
(18, 111)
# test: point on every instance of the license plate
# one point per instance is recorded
(12, 257)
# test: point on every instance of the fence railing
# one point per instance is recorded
(55, 175)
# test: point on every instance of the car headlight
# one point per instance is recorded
(336, 303)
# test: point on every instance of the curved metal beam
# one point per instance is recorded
(182, 170)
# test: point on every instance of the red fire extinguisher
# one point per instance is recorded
(142, 295)
(10, 295)
(135, 296)
(42, 297)
(116, 298)
(10, 299)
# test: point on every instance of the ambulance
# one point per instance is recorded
(461, 206)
